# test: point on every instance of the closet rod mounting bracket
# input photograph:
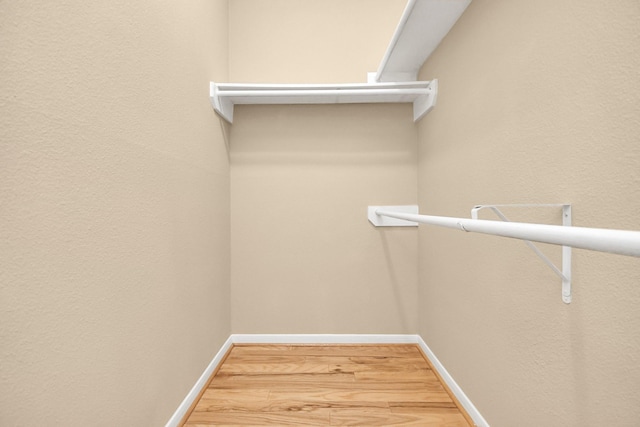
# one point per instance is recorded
(565, 274)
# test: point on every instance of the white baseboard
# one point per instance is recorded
(466, 403)
(193, 394)
(325, 339)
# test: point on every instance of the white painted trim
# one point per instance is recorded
(326, 339)
(174, 421)
(473, 412)
(323, 339)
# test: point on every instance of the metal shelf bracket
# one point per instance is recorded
(565, 274)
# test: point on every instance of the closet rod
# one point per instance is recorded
(621, 242)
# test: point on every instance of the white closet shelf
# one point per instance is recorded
(422, 27)
(421, 94)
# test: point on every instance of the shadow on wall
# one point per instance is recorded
(328, 135)
(401, 304)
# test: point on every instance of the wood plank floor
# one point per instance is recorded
(326, 385)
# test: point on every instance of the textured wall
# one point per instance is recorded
(114, 221)
(539, 103)
(304, 257)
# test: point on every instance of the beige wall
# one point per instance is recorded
(115, 179)
(539, 103)
(309, 41)
(114, 234)
(304, 258)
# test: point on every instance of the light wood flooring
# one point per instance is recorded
(326, 385)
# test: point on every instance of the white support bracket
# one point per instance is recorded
(385, 221)
(407, 216)
(425, 102)
(565, 274)
(223, 106)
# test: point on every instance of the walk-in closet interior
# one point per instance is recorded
(179, 179)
